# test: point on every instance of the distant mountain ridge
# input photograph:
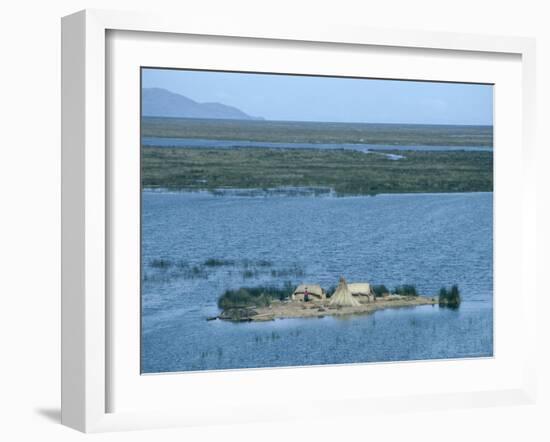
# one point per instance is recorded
(158, 102)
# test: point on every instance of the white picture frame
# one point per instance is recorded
(86, 206)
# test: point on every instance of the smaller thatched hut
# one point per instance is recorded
(362, 291)
(342, 297)
(314, 290)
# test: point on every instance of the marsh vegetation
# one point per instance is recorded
(347, 172)
(380, 290)
(449, 297)
(405, 290)
(259, 296)
(166, 269)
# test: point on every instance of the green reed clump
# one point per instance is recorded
(450, 298)
(379, 290)
(242, 298)
(161, 263)
(247, 274)
(215, 262)
(264, 263)
(406, 290)
(246, 263)
(195, 272)
(259, 296)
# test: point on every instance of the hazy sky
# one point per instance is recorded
(287, 97)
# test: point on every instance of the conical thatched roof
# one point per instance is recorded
(342, 297)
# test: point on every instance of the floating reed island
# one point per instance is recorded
(311, 300)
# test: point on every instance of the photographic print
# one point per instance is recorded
(302, 220)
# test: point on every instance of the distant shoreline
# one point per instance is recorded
(267, 120)
(318, 132)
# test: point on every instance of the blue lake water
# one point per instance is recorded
(430, 240)
(229, 144)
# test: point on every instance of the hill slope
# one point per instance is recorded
(157, 102)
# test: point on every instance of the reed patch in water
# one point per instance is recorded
(215, 262)
(259, 296)
(449, 297)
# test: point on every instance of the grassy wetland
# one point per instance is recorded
(344, 170)
(347, 172)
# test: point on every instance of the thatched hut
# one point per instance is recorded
(342, 297)
(314, 290)
(362, 291)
